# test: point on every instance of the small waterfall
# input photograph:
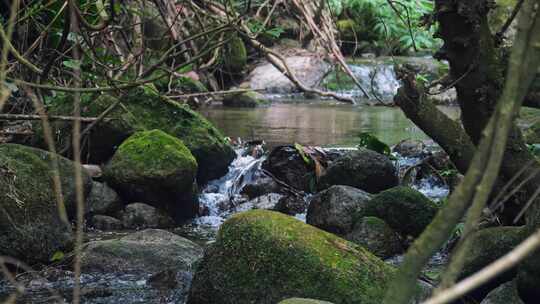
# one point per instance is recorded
(221, 195)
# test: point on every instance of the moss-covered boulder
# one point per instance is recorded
(363, 169)
(406, 210)
(376, 236)
(250, 99)
(156, 168)
(487, 245)
(332, 210)
(30, 226)
(235, 56)
(140, 111)
(507, 293)
(302, 301)
(264, 257)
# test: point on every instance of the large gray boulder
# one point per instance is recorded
(333, 209)
(140, 216)
(376, 236)
(147, 251)
(309, 69)
(103, 200)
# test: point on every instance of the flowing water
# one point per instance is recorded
(322, 123)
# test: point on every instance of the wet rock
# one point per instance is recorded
(302, 301)
(410, 148)
(147, 251)
(106, 223)
(309, 69)
(158, 169)
(264, 202)
(332, 210)
(142, 111)
(287, 165)
(235, 57)
(406, 210)
(260, 186)
(249, 99)
(290, 257)
(140, 216)
(94, 171)
(505, 294)
(291, 205)
(30, 227)
(376, 236)
(165, 279)
(363, 169)
(103, 200)
(486, 246)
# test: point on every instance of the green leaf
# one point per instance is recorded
(72, 64)
(300, 150)
(57, 256)
(371, 142)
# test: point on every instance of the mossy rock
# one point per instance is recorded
(486, 246)
(30, 225)
(348, 29)
(140, 111)
(376, 236)
(156, 168)
(250, 99)
(264, 257)
(507, 293)
(302, 301)
(235, 57)
(406, 210)
(528, 274)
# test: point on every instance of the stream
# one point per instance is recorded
(287, 120)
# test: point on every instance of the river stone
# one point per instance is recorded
(376, 236)
(106, 223)
(156, 168)
(363, 169)
(332, 210)
(103, 200)
(147, 251)
(30, 227)
(264, 202)
(141, 111)
(291, 205)
(259, 187)
(406, 210)
(410, 148)
(264, 257)
(486, 246)
(302, 301)
(309, 69)
(505, 294)
(250, 99)
(287, 165)
(140, 216)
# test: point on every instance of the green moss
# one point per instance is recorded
(155, 154)
(250, 99)
(30, 227)
(235, 56)
(264, 257)
(406, 210)
(348, 29)
(140, 111)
